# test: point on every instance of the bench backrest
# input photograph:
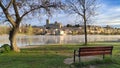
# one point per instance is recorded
(88, 51)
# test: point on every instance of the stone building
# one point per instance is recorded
(55, 25)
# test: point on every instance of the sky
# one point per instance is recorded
(108, 14)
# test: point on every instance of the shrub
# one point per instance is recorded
(5, 48)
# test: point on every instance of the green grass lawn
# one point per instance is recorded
(52, 56)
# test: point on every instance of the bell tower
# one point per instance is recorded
(47, 22)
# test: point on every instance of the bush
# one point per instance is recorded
(5, 48)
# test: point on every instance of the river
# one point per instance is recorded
(24, 40)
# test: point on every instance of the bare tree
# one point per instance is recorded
(15, 10)
(83, 8)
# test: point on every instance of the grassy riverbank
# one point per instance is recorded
(52, 56)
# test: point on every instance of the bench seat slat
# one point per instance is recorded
(97, 47)
(86, 49)
(94, 53)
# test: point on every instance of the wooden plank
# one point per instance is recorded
(85, 49)
(107, 47)
(94, 53)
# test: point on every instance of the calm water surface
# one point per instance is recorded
(23, 40)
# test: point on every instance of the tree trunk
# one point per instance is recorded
(85, 30)
(85, 26)
(12, 38)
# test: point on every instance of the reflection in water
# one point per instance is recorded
(57, 39)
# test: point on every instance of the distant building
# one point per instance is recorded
(59, 32)
(55, 25)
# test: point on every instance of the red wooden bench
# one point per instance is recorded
(91, 51)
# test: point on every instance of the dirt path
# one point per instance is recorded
(88, 58)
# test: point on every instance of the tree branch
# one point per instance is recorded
(41, 6)
(75, 8)
(9, 4)
(2, 6)
(16, 9)
(10, 19)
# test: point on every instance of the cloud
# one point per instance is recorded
(108, 15)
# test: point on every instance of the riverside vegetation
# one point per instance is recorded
(52, 56)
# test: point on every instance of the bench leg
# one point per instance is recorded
(79, 58)
(103, 56)
(111, 54)
(74, 56)
(74, 59)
